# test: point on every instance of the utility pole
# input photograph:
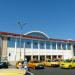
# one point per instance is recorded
(20, 25)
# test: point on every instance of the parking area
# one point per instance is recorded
(50, 71)
(53, 71)
(48, 67)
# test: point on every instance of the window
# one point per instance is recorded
(69, 46)
(74, 49)
(59, 45)
(35, 44)
(73, 60)
(53, 45)
(28, 43)
(20, 43)
(11, 42)
(64, 46)
(42, 45)
(47, 45)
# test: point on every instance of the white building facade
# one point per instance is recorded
(35, 45)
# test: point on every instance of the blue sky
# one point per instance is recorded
(56, 18)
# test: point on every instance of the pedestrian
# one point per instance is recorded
(20, 65)
(25, 64)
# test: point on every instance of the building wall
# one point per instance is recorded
(38, 48)
(16, 53)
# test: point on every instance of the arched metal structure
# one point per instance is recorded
(37, 34)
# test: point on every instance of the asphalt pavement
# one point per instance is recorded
(53, 71)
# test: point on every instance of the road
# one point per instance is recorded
(53, 71)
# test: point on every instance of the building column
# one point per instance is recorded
(31, 57)
(24, 50)
(4, 49)
(62, 52)
(39, 57)
(15, 50)
(45, 50)
(51, 49)
(45, 58)
(72, 50)
(38, 50)
(51, 57)
(32, 49)
(57, 57)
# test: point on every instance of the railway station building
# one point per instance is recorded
(34, 45)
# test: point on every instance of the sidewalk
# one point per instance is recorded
(14, 67)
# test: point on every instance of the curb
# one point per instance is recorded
(29, 73)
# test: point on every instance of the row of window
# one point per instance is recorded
(42, 44)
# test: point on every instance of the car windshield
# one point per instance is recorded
(67, 60)
(49, 60)
(73, 60)
(36, 61)
(54, 60)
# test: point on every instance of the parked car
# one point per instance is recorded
(3, 65)
(12, 72)
(55, 63)
(35, 64)
(61, 61)
(68, 64)
(47, 63)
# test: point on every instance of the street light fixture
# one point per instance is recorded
(21, 28)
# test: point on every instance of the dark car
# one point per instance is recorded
(3, 65)
(3, 62)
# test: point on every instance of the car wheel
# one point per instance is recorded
(34, 68)
(70, 66)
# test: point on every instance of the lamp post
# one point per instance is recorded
(21, 28)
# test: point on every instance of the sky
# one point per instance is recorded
(56, 18)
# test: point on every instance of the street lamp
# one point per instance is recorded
(21, 28)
